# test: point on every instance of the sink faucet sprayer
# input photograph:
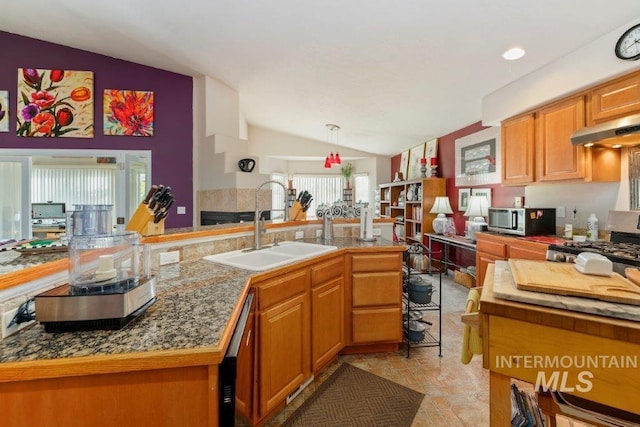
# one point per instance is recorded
(257, 227)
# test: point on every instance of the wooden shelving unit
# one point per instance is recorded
(411, 212)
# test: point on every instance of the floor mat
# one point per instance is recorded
(354, 397)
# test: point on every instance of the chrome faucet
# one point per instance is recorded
(257, 224)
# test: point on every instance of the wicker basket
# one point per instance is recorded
(464, 279)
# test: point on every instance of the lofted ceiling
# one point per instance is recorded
(392, 74)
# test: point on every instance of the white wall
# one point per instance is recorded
(222, 111)
(591, 64)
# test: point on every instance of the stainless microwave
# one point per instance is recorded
(523, 221)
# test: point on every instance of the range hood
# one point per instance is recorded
(616, 133)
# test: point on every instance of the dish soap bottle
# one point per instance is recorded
(592, 227)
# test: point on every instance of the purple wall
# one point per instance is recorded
(172, 143)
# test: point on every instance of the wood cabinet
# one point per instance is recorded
(518, 150)
(618, 98)
(327, 311)
(536, 146)
(557, 159)
(284, 337)
(245, 368)
(375, 294)
(493, 247)
(410, 202)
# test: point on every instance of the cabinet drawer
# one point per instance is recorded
(376, 289)
(327, 270)
(280, 289)
(492, 248)
(376, 262)
(376, 325)
(526, 351)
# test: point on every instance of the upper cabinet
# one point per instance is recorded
(618, 98)
(557, 159)
(536, 146)
(518, 150)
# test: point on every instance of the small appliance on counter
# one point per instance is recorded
(523, 221)
(109, 281)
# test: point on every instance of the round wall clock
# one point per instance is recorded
(628, 45)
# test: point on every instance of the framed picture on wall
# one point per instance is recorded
(431, 150)
(478, 159)
(463, 198)
(486, 192)
(404, 162)
(415, 154)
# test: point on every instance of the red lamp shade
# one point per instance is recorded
(327, 163)
(337, 159)
(423, 161)
(434, 161)
(332, 158)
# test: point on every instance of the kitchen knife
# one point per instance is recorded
(155, 196)
(152, 190)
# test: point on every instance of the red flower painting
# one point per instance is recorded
(55, 103)
(128, 112)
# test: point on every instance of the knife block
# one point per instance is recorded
(142, 222)
(295, 212)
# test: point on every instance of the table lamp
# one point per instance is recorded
(478, 208)
(441, 206)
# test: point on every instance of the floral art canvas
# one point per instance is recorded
(4, 111)
(128, 112)
(55, 103)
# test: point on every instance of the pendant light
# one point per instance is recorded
(332, 159)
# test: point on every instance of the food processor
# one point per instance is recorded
(109, 280)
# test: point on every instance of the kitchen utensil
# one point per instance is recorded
(415, 315)
(420, 291)
(415, 330)
(562, 279)
(327, 228)
(246, 165)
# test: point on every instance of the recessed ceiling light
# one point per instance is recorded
(513, 53)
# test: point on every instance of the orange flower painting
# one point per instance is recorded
(55, 103)
(128, 112)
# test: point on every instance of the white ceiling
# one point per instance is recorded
(391, 73)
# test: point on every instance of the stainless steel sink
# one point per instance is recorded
(271, 257)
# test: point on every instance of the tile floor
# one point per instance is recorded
(455, 394)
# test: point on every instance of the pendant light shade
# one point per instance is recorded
(331, 158)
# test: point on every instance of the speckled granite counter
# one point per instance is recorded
(196, 300)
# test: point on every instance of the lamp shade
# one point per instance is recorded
(441, 206)
(478, 206)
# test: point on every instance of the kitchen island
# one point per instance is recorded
(531, 343)
(160, 370)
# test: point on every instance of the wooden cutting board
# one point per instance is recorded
(563, 279)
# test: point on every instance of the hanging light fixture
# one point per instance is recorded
(332, 159)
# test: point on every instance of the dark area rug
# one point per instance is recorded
(354, 397)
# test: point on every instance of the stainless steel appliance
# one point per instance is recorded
(522, 221)
(109, 281)
(622, 248)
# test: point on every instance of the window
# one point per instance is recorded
(323, 188)
(362, 189)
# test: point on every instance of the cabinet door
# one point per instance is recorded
(285, 360)
(556, 157)
(617, 99)
(327, 322)
(482, 261)
(245, 369)
(518, 150)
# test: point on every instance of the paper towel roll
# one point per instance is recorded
(366, 223)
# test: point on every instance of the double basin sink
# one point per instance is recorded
(271, 257)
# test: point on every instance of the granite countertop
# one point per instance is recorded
(195, 300)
